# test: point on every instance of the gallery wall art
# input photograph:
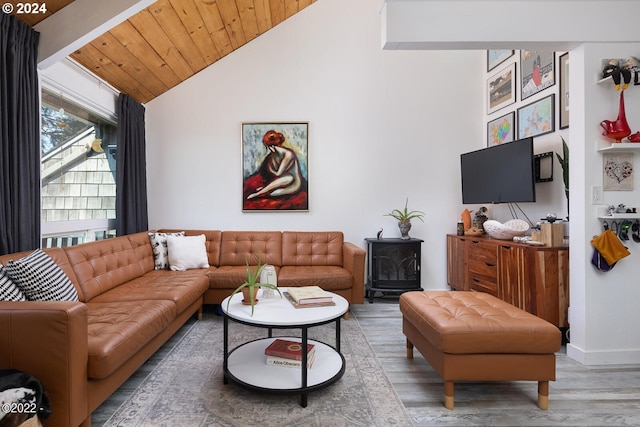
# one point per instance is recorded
(497, 57)
(537, 118)
(501, 89)
(501, 130)
(537, 71)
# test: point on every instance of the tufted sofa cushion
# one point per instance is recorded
(238, 246)
(118, 330)
(328, 277)
(103, 265)
(312, 248)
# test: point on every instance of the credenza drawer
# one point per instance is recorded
(483, 284)
(482, 268)
(481, 251)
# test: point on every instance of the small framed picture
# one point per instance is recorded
(537, 118)
(501, 130)
(563, 67)
(618, 171)
(537, 71)
(497, 57)
(275, 167)
(501, 89)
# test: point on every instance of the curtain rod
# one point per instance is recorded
(100, 81)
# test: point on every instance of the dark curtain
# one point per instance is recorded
(131, 168)
(19, 136)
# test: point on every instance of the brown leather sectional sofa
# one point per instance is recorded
(83, 351)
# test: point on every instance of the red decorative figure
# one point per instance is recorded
(619, 128)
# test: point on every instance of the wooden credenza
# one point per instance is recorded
(533, 278)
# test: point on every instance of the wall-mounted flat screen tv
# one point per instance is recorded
(499, 174)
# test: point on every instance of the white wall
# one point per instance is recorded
(383, 126)
(605, 303)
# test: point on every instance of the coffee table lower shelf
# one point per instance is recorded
(247, 367)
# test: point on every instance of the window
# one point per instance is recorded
(78, 173)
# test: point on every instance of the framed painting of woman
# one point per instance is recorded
(275, 166)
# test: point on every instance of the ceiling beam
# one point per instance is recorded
(499, 24)
(79, 23)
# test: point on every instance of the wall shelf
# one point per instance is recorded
(603, 214)
(620, 216)
(620, 146)
(606, 80)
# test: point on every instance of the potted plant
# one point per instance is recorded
(404, 218)
(250, 287)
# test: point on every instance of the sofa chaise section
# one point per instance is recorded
(126, 311)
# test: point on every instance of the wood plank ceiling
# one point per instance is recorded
(171, 40)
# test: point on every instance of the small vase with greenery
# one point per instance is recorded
(404, 218)
(252, 284)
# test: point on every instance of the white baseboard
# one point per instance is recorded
(603, 357)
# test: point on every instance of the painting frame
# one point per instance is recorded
(496, 57)
(275, 166)
(617, 171)
(537, 71)
(501, 130)
(563, 104)
(537, 118)
(501, 89)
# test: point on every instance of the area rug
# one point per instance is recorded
(186, 388)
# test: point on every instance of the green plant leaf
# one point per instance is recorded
(252, 282)
(405, 215)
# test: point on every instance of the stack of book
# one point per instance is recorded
(309, 296)
(288, 353)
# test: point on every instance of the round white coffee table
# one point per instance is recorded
(246, 365)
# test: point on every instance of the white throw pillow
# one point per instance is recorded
(159, 247)
(40, 278)
(8, 290)
(187, 252)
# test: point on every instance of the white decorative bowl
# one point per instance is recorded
(506, 231)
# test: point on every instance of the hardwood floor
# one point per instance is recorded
(581, 395)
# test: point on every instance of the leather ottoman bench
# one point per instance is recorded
(474, 336)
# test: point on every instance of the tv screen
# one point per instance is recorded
(499, 174)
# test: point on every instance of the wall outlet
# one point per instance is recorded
(597, 196)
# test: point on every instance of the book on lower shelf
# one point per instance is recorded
(290, 363)
(287, 349)
(309, 295)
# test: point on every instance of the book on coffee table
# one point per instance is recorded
(309, 295)
(306, 305)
